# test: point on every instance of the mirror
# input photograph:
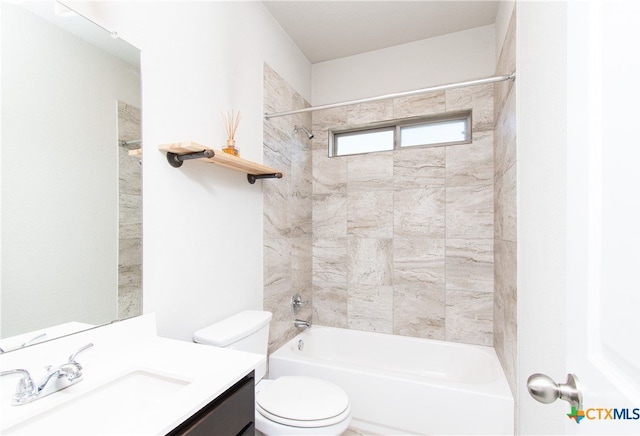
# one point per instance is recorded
(71, 192)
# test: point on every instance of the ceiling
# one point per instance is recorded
(326, 30)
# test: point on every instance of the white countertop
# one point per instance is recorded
(119, 349)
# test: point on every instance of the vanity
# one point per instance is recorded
(134, 382)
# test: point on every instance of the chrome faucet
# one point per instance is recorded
(56, 379)
(34, 340)
(29, 342)
(302, 324)
(297, 304)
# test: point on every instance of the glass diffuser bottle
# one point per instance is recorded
(231, 122)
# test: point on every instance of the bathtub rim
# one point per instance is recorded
(496, 388)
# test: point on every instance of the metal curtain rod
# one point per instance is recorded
(397, 94)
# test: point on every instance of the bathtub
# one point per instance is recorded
(403, 385)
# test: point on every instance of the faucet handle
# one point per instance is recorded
(72, 358)
(297, 304)
(33, 340)
(26, 386)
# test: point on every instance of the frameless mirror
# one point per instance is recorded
(71, 191)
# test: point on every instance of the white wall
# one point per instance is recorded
(435, 61)
(60, 177)
(202, 225)
(541, 102)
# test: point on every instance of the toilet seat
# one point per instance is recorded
(305, 402)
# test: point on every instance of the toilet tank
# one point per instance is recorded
(244, 331)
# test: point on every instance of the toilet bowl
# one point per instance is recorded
(289, 405)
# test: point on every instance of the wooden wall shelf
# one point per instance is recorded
(177, 153)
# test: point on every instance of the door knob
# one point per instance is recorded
(542, 388)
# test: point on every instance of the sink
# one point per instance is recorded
(108, 409)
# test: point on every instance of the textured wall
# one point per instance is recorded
(287, 209)
(505, 305)
(403, 240)
(130, 215)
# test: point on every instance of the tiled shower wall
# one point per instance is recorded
(403, 240)
(130, 215)
(505, 315)
(287, 209)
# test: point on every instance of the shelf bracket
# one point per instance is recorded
(176, 160)
(253, 177)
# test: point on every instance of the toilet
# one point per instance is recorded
(289, 405)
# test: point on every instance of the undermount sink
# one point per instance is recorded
(108, 409)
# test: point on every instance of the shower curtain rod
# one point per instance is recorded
(486, 80)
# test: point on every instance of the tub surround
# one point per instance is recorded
(132, 346)
(403, 240)
(505, 210)
(287, 209)
(397, 242)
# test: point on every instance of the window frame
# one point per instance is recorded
(397, 125)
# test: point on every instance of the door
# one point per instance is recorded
(603, 216)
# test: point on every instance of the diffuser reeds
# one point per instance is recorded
(231, 122)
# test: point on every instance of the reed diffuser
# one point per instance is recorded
(231, 122)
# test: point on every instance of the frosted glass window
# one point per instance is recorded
(450, 128)
(365, 141)
(440, 132)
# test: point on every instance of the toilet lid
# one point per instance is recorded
(303, 402)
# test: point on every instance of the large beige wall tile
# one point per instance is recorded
(506, 65)
(330, 260)
(469, 317)
(370, 308)
(329, 215)
(368, 172)
(419, 167)
(469, 265)
(301, 264)
(281, 328)
(329, 174)
(505, 206)
(129, 215)
(300, 191)
(470, 212)
(276, 210)
(505, 308)
(505, 136)
(371, 112)
(419, 261)
(419, 212)
(370, 214)
(419, 105)
(323, 122)
(277, 266)
(471, 164)
(419, 311)
(477, 98)
(330, 304)
(369, 261)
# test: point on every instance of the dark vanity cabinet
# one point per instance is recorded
(232, 413)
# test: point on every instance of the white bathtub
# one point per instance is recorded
(403, 385)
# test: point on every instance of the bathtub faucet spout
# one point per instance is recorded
(302, 324)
